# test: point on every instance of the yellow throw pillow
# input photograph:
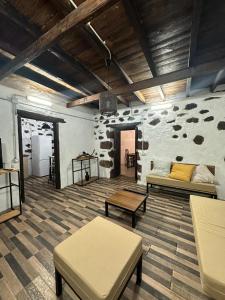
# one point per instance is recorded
(182, 172)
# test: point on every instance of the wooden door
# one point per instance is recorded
(116, 171)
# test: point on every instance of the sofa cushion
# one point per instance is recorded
(184, 185)
(98, 259)
(209, 228)
(182, 172)
(202, 174)
(161, 168)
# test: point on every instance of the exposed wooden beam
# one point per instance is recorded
(10, 12)
(132, 12)
(45, 74)
(196, 16)
(199, 70)
(82, 14)
(220, 75)
(89, 33)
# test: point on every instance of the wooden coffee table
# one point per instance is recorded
(127, 200)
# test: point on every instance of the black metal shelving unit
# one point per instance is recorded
(84, 168)
(13, 212)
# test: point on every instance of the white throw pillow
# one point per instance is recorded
(161, 168)
(202, 174)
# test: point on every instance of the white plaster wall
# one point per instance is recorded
(159, 137)
(75, 136)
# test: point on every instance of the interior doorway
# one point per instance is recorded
(127, 153)
(38, 137)
(120, 164)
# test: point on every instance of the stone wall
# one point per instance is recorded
(191, 131)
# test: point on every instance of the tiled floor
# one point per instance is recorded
(170, 267)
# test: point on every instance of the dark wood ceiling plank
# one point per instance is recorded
(196, 17)
(84, 13)
(201, 70)
(34, 32)
(131, 10)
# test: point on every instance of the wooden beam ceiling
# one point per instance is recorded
(84, 13)
(45, 74)
(132, 12)
(201, 70)
(94, 41)
(196, 16)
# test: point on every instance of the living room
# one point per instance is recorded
(127, 121)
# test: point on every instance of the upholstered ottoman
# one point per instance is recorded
(98, 260)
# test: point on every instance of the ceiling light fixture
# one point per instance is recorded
(39, 101)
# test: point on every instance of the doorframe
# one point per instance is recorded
(33, 116)
(117, 130)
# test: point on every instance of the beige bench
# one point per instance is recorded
(208, 218)
(98, 260)
(203, 188)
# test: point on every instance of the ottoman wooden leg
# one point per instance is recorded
(139, 271)
(58, 283)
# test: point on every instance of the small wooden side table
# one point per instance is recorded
(128, 201)
(13, 212)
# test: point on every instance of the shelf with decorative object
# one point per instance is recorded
(12, 212)
(85, 166)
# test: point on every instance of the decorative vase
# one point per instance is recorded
(87, 177)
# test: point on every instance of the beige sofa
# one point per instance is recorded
(202, 188)
(208, 218)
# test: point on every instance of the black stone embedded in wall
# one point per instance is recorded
(126, 112)
(192, 120)
(106, 163)
(101, 137)
(111, 153)
(96, 126)
(176, 108)
(102, 155)
(209, 119)
(139, 134)
(179, 158)
(136, 111)
(181, 115)
(204, 111)
(190, 106)
(106, 122)
(177, 127)
(155, 122)
(172, 121)
(46, 126)
(101, 118)
(221, 125)
(139, 168)
(198, 139)
(106, 145)
(121, 119)
(110, 134)
(131, 118)
(151, 115)
(175, 136)
(211, 98)
(144, 144)
(185, 135)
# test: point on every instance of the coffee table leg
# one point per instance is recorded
(144, 207)
(133, 220)
(106, 209)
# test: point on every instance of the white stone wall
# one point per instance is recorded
(75, 136)
(191, 131)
